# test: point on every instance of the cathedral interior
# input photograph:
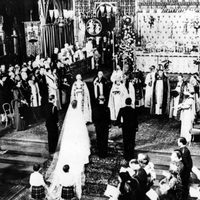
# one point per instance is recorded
(144, 50)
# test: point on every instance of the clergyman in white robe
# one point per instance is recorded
(118, 95)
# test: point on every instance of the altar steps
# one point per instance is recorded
(25, 147)
(15, 168)
(10, 191)
(17, 163)
(99, 172)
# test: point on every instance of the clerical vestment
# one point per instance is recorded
(80, 93)
(118, 95)
(131, 92)
(149, 82)
(99, 87)
(159, 87)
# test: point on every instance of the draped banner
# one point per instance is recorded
(55, 36)
(32, 37)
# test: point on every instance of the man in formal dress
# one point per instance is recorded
(51, 124)
(127, 117)
(188, 164)
(101, 119)
(43, 87)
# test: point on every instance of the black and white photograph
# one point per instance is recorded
(99, 99)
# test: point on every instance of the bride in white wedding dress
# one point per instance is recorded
(73, 149)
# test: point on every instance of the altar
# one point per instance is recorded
(178, 62)
(168, 32)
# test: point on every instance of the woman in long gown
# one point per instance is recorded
(73, 149)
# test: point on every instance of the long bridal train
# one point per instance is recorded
(73, 149)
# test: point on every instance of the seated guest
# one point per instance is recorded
(138, 179)
(148, 166)
(172, 185)
(129, 188)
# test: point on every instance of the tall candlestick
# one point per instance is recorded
(113, 38)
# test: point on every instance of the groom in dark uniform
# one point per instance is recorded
(127, 119)
(101, 119)
(51, 113)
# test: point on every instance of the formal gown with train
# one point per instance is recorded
(73, 149)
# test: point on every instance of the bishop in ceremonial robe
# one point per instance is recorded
(81, 93)
(117, 97)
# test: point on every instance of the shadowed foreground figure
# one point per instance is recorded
(101, 119)
(51, 113)
(127, 118)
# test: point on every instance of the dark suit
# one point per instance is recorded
(129, 128)
(141, 176)
(133, 188)
(187, 162)
(101, 119)
(42, 84)
(52, 128)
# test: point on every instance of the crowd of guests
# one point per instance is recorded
(137, 178)
(27, 89)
